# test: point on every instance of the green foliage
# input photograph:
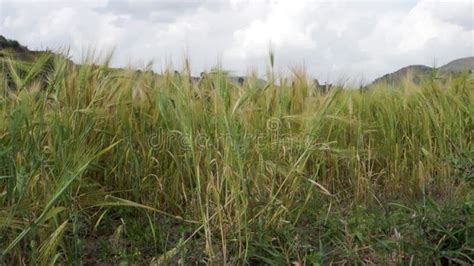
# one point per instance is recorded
(463, 163)
(12, 44)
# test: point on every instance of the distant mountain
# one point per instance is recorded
(459, 65)
(416, 73)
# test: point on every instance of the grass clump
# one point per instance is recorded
(147, 168)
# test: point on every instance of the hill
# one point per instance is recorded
(414, 72)
(459, 65)
(13, 49)
(417, 73)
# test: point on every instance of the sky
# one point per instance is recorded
(333, 40)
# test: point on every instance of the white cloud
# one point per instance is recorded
(282, 27)
(333, 39)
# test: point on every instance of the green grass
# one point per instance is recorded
(118, 166)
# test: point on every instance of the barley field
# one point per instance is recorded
(117, 166)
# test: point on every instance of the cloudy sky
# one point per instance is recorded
(334, 40)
